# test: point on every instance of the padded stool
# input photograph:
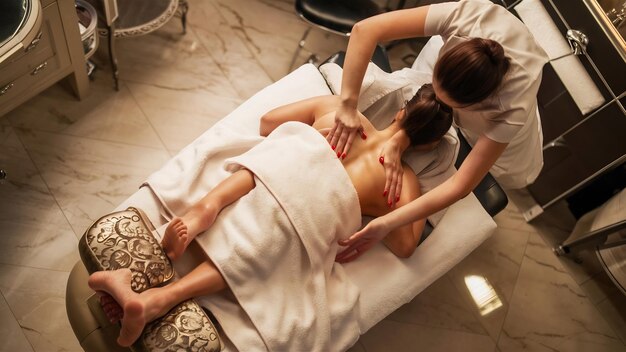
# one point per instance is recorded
(335, 16)
(91, 327)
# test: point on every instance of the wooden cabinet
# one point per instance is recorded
(57, 53)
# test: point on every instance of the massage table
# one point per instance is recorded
(458, 230)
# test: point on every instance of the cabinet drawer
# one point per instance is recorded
(562, 170)
(52, 43)
(39, 73)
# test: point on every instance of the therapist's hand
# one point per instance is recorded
(347, 126)
(362, 241)
(390, 158)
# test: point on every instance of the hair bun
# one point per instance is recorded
(495, 53)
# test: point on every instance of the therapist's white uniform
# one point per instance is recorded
(510, 115)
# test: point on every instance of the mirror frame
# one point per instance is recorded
(609, 29)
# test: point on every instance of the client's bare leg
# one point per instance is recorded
(181, 231)
(141, 308)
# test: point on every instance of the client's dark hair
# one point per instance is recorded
(426, 119)
(471, 71)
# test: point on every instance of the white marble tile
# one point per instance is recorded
(12, 337)
(554, 228)
(167, 59)
(187, 116)
(37, 299)
(549, 311)
(511, 218)
(498, 261)
(42, 245)
(44, 146)
(196, 103)
(439, 306)
(89, 178)
(394, 336)
(24, 196)
(104, 115)
(599, 287)
(228, 50)
(177, 129)
(265, 27)
(613, 309)
(273, 36)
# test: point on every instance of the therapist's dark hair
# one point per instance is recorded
(426, 119)
(472, 71)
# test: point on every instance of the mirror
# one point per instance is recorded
(611, 14)
(13, 15)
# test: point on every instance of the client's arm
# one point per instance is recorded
(403, 240)
(305, 111)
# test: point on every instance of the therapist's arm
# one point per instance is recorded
(474, 168)
(364, 37)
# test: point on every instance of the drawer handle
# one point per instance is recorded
(6, 88)
(39, 68)
(34, 43)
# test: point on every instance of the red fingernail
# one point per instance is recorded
(397, 198)
(381, 160)
(385, 193)
(338, 154)
(364, 135)
(333, 147)
(343, 156)
(389, 204)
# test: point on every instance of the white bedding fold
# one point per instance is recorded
(276, 246)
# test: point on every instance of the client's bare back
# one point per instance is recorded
(363, 165)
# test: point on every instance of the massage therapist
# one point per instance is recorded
(488, 70)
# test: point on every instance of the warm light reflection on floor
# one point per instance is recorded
(482, 292)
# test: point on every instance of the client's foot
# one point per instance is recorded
(175, 239)
(117, 284)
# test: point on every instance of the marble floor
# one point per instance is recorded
(70, 161)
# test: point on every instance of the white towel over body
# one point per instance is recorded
(276, 245)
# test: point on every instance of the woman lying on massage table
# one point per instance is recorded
(425, 121)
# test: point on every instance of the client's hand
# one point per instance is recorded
(347, 125)
(362, 241)
(390, 158)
